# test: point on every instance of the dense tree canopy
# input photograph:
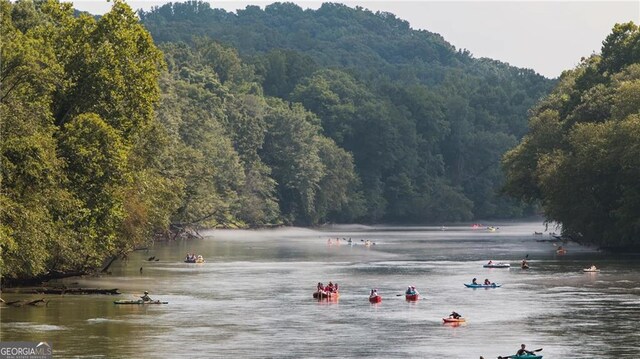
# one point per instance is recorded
(581, 155)
(267, 117)
(426, 124)
(77, 96)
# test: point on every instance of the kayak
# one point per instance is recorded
(412, 297)
(375, 299)
(326, 295)
(140, 301)
(453, 320)
(526, 356)
(497, 265)
(493, 285)
(591, 270)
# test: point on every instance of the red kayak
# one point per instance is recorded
(412, 297)
(375, 299)
(453, 320)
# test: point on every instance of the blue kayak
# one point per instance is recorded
(493, 285)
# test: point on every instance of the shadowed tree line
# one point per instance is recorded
(581, 156)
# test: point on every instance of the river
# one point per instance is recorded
(253, 298)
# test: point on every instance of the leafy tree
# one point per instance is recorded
(579, 157)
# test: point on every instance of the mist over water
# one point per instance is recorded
(253, 298)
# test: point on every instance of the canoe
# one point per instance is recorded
(526, 356)
(326, 295)
(453, 320)
(140, 301)
(493, 285)
(497, 265)
(412, 297)
(375, 299)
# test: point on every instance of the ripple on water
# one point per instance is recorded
(102, 320)
(28, 326)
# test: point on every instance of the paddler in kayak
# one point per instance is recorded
(454, 315)
(474, 281)
(523, 351)
(145, 297)
(487, 281)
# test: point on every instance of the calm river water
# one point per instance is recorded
(253, 298)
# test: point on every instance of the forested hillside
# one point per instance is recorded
(581, 156)
(426, 124)
(110, 139)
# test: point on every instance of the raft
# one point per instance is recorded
(493, 285)
(139, 301)
(326, 295)
(375, 299)
(453, 320)
(497, 265)
(200, 259)
(412, 297)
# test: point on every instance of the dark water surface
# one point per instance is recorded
(252, 298)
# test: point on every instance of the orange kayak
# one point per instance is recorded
(326, 295)
(375, 299)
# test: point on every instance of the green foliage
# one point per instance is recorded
(77, 96)
(417, 116)
(580, 157)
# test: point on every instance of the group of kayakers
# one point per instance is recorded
(349, 241)
(329, 288)
(193, 258)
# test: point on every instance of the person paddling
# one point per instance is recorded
(454, 315)
(523, 351)
(145, 297)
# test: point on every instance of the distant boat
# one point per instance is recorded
(412, 297)
(326, 295)
(139, 301)
(497, 265)
(492, 285)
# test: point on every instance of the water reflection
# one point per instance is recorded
(253, 298)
